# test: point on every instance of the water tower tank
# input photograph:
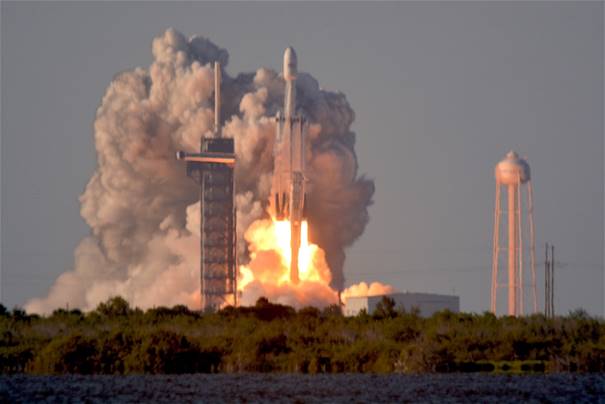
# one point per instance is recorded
(512, 170)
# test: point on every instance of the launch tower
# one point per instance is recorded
(213, 170)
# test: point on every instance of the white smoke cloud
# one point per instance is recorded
(142, 209)
(363, 289)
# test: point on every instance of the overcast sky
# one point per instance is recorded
(441, 92)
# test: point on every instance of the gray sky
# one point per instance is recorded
(441, 92)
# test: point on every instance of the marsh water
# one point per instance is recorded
(341, 388)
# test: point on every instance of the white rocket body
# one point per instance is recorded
(288, 187)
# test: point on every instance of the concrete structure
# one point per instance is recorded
(213, 170)
(427, 303)
(513, 172)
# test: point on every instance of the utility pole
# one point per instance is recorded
(552, 281)
(549, 281)
(546, 282)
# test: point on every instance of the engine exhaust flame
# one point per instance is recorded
(270, 254)
(268, 273)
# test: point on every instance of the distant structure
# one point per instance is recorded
(512, 173)
(549, 281)
(427, 303)
(213, 170)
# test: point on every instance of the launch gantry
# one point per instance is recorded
(213, 171)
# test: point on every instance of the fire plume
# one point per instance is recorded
(268, 271)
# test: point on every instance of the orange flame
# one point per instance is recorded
(269, 266)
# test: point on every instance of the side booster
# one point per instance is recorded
(288, 187)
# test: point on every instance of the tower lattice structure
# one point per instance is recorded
(213, 170)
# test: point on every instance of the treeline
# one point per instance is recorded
(117, 339)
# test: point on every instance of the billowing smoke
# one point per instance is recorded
(144, 212)
(363, 289)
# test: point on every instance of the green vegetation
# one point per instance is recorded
(116, 339)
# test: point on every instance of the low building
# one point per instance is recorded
(427, 303)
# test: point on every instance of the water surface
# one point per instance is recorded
(340, 388)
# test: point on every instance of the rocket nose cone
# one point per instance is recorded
(290, 55)
(290, 62)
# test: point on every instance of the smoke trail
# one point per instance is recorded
(143, 211)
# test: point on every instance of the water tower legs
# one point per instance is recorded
(512, 249)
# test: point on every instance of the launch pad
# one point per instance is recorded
(213, 171)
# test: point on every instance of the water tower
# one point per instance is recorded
(513, 174)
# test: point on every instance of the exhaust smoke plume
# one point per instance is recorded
(363, 289)
(143, 210)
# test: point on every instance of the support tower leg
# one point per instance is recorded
(512, 250)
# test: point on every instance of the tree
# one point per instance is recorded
(19, 313)
(267, 311)
(67, 354)
(385, 308)
(114, 307)
(333, 310)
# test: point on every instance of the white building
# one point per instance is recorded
(427, 303)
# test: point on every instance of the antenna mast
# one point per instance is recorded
(217, 99)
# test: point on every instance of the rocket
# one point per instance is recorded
(287, 200)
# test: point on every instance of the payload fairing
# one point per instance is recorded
(288, 187)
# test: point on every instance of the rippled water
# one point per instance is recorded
(343, 388)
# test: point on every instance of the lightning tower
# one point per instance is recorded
(513, 173)
(213, 171)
